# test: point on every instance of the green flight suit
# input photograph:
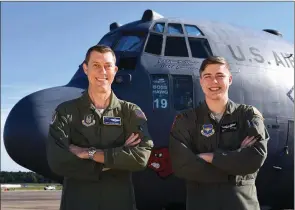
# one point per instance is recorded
(86, 185)
(228, 183)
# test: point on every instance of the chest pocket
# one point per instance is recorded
(205, 138)
(230, 135)
(112, 129)
(84, 133)
(104, 132)
(112, 135)
(99, 135)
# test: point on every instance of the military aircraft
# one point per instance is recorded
(158, 60)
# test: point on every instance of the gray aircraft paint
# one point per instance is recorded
(263, 75)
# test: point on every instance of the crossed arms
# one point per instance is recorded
(68, 160)
(216, 166)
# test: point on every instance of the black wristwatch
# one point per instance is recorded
(91, 152)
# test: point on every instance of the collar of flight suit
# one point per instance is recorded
(230, 107)
(87, 102)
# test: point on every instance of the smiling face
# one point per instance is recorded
(215, 81)
(100, 70)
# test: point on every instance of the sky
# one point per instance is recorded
(43, 43)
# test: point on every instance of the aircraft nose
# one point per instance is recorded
(26, 127)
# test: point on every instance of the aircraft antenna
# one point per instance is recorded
(114, 25)
(274, 32)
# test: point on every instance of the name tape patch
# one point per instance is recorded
(111, 120)
(230, 127)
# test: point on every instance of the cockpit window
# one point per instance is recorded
(174, 28)
(129, 43)
(154, 44)
(182, 92)
(159, 27)
(193, 30)
(127, 63)
(200, 47)
(109, 40)
(176, 46)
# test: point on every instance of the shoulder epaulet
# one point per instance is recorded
(67, 104)
(183, 117)
(133, 107)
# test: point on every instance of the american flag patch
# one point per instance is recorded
(140, 114)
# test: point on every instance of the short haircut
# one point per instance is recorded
(213, 60)
(100, 49)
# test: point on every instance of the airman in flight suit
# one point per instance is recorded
(219, 147)
(97, 140)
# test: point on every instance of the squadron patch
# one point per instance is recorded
(111, 120)
(252, 123)
(88, 120)
(207, 130)
(140, 114)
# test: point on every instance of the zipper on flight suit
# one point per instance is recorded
(218, 134)
(99, 142)
(218, 126)
(99, 118)
(99, 133)
(100, 138)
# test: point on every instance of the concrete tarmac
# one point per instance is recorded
(34, 200)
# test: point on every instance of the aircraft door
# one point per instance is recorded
(182, 92)
(283, 158)
(277, 175)
(160, 109)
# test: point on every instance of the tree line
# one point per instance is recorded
(23, 177)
